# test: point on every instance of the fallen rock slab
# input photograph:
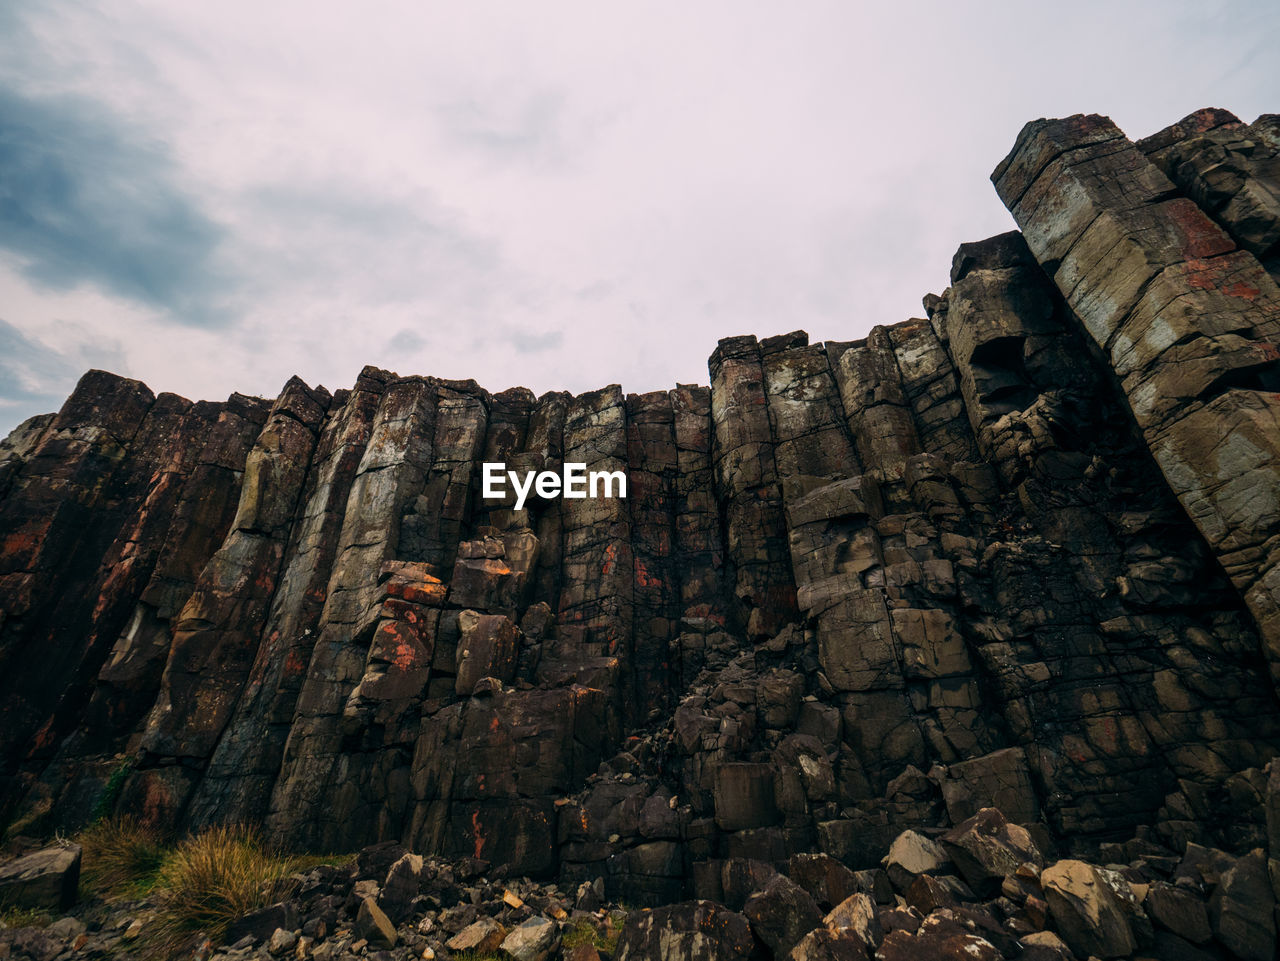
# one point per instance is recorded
(534, 940)
(48, 878)
(690, 931)
(1088, 914)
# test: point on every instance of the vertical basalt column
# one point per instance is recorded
(875, 404)
(1004, 332)
(699, 540)
(932, 389)
(509, 414)
(381, 716)
(504, 443)
(320, 797)
(210, 498)
(437, 517)
(544, 450)
(220, 437)
(191, 495)
(652, 456)
(1188, 323)
(17, 448)
(50, 505)
(1232, 171)
(747, 480)
(217, 634)
(237, 785)
(62, 513)
(81, 627)
(1030, 388)
(596, 593)
(812, 445)
(143, 493)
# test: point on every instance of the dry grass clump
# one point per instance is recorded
(121, 858)
(15, 917)
(210, 879)
(198, 886)
(602, 935)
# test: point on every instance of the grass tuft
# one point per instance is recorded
(603, 936)
(122, 859)
(111, 792)
(210, 880)
(15, 917)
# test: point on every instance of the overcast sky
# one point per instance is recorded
(211, 197)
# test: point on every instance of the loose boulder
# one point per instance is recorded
(913, 854)
(374, 926)
(1087, 912)
(534, 940)
(690, 931)
(986, 847)
(483, 937)
(48, 878)
(782, 914)
(1242, 909)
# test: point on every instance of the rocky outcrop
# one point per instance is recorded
(1145, 901)
(1021, 553)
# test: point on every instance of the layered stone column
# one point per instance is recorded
(305, 803)
(237, 784)
(746, 473)
(216, 636)
(1232, 170)
(652, 463)
(1187, 321)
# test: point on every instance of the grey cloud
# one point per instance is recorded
(531, 342)
(529, 129)
(387, 248)
(86, 199)
(407, 341)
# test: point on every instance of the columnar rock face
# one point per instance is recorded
(1021, 553)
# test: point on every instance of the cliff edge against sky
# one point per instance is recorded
(1024, 552)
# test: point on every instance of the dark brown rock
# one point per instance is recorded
(940, 936)
(1179, 911)
(692, 931)
(911, 855)
(1088, 911)
(987, 847)
(1242, 909)
(261, 924)
(374, 926)
(782, 914)
(827, 880)
(44, 879)
(823, 944)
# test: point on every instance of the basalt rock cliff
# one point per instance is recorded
(1023, 553)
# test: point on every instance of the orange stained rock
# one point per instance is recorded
(643, 577)
(406, 656)
(1201, 236)
(294, 666)
(1242, 290)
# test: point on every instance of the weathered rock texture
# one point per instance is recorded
(1024, 553)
